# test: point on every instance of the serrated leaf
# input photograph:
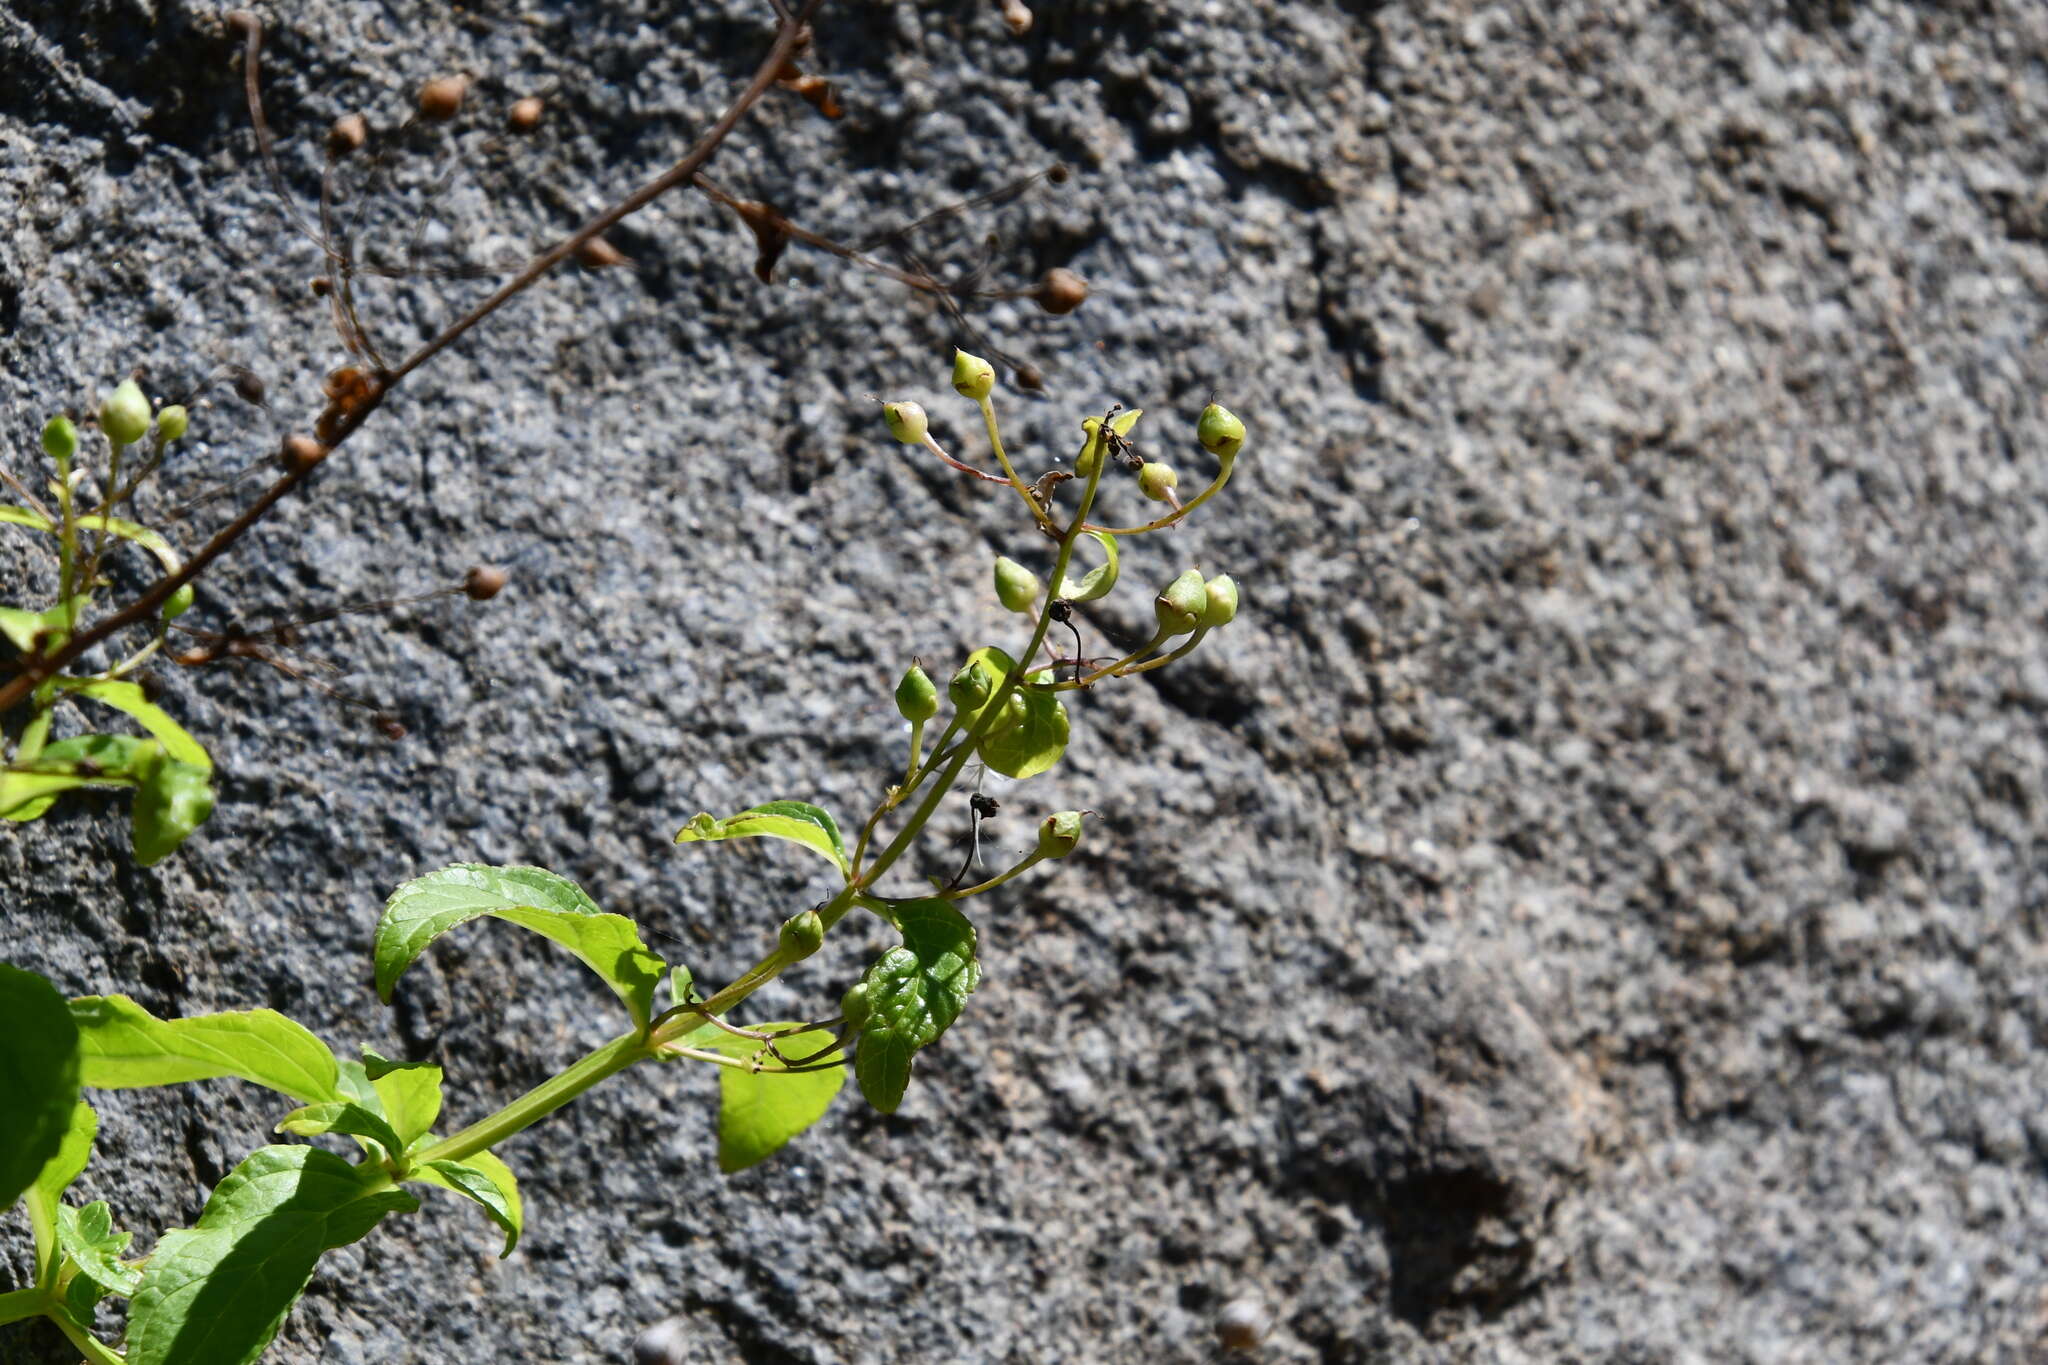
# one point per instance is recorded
(915, 991)
(531, 897)
(129, 698)
(797, 821)
(39, 1078)
(342, 1116)
(216, 1293)
(87, 1236)
(1097, 581)
(173, 799)
(1033, 743)
(760, 1111)
(411, 1092)
(123, 1046)
(487, 1181)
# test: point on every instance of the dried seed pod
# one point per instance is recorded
(249, 387)
(598, 254)
(348, 134)
(321, 286)
(1028, 376)
(1018, 16)
(441, 98)
(301, 453)
(393, 728)
(524, 115)
(1061, 291)
(1057, 173)
(1242, 1324)
(483, 582)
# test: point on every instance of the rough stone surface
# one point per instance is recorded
(1589, 907)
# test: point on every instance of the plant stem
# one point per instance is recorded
(94, 1350)
(995, 440)
(544, 1099)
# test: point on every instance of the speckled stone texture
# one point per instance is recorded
(1588, 908)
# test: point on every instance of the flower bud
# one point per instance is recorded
(969, 688)
(441, 97)
(1060, 291)
(1221, 608)
(124, 414)
(907, 422)
(973, 377)
(171, 422)
(1220, 433)
(801, 935)
(1059, 834)
(854, 1006)
(483, 582)
(917, 698)
(1016, 586)
(1182, 604)
(1157, 481)
(60, 439)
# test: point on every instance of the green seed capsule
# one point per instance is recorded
(178, 603)
(60, 439)
(855, 1005)
(1157, 481)
(1016, 586)
(973, 377)
(907, 422)
(970, 688)
(1221, 608)
(171, 422)
(1180, 607)
(1059, 834)
(801, 935)
(1220, 433)
(124, 414)
(917, 697)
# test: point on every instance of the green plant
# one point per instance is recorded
(216, 1293)
(169, 771)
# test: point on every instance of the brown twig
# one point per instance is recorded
(790, 32)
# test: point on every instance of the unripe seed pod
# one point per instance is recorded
(969, 688)
(801, 935)
(1060, 291)
(1016, 586)
(348, 134)
(917, 697)
(441, 97)
(1220, 433)
(1242, 1324)
(172, 421)
(124, 414)
(973, 377)
(1157, 481)
(524, 115)
(907, 422)
(855, 1006)
(1059, 834)
(598, 254)
(1018, 16)
(1221, 608)
(178, 603)
(60, 438)
(301, 453)
(483, 582)
(1182, 604)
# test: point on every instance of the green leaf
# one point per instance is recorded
(916, 992)
(124, 1046)
(128, 697)
(797, 821)
(1029, 746)
(23, 628)
(18, 805)
(31, 784)
(39, 1080)
(531, 897)
(174, 799)
(342, 1116)
(411, 1092)
(88, 1238)
(1099, 580)
(216, 1293)
(488, 1181)
(760, 1111)
(25, 516)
